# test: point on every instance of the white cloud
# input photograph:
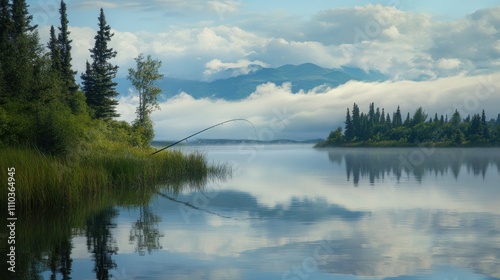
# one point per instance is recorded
(240, 67)
(401, 44)
(448, 64)
(278, 113)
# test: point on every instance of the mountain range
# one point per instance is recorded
(230, 85)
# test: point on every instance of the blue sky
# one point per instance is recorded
(273, 33)
(438, 54)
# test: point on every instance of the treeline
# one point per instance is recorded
(378, 128)
(42, 106)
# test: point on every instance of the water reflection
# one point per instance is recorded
(274, 215)
(45, 239)
(377, 164)
(100, 242)
(145, 232)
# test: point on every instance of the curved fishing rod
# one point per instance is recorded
(221, 123)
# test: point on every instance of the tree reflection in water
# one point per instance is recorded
(101, 243)
(145, 231)
(376, 164)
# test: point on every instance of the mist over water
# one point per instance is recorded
(313, 114)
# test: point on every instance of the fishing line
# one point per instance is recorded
(221, 123)
(202, 209)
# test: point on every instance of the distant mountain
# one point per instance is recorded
(233, 85)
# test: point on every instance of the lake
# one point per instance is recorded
(295, 212)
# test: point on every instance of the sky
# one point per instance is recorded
(433, 42)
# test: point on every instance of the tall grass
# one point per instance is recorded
(46, 181)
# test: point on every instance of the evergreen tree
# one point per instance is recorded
(5, 21)
(54, 51)
(388, 122)
(20, 52)
(455, 119)
(64, 44)
(377, 116)
(408, 121)
(356, 121)
(349, 128)
(397, 119)
(98, 78)
(21, 18)
(5, 30)
(419, 116)
(371, 113)
(484, 127)
(436, 118)
(88, 84)
(475, 126)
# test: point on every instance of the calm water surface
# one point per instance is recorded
(294, 212)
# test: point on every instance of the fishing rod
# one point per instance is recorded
(221, 123)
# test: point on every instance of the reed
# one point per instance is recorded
(50, 181)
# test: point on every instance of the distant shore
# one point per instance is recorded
(399, 144)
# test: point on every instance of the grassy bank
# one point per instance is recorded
(43, 180)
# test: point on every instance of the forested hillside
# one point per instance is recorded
(41, 106)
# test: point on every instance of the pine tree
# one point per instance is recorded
(397, 119)
(484, 127)
(408, 121)
(349, 128)
(455, 119)
(388, 122)
(98, 78)
(5, 21)
(22, 50)
(356, 121)
(419, 116)
(64, 44)
(54, 51)
(21, 18)
(475, 126)
(88, 84)
(382, 117)
(371, 113)
(5, 30)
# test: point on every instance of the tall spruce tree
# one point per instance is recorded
(54, 51)
(5, 20)
(97, 81)
(356, 121)
(21, 18)
(64, 45)
(22, 51)
(5, 30)
(397, 119)
(349, 129)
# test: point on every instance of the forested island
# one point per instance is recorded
(380, 129)
(60, 141)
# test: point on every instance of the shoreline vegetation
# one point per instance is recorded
(379, 129)
(63, 139)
